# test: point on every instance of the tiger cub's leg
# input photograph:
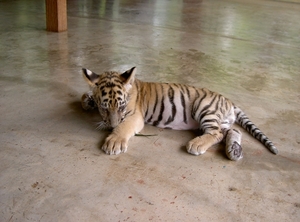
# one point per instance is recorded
(233, 144)
(212, 135)
(87, 101)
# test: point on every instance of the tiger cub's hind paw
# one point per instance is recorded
(234, 151)
(197, 146)
(233, 147)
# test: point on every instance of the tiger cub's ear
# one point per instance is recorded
(128, 77)
(91, 77)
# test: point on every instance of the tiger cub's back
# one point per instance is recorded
(170, 105)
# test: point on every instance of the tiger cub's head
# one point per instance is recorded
(111, 92)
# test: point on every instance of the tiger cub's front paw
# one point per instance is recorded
(87, 101)
(115, 145)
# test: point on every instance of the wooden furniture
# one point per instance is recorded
(56, 15)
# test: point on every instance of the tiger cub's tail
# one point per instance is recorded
(244, 121)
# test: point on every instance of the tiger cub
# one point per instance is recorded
(126, 103)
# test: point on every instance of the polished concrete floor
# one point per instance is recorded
(51, 166)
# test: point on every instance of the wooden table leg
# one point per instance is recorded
(56, 15)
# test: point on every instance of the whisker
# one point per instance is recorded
(102, 125)
(127, 113)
